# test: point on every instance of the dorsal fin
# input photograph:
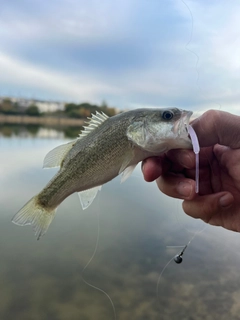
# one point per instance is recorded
(55, 157)
(95, 121)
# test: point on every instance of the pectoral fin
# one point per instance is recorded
(87, 196)
(126, 168)
(127, 172)
(55, 157)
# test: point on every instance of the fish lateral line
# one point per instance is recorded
(107, 147)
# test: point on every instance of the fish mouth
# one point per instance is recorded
(181, 126)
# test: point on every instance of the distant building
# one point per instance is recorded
(44, 106)
(49, 106)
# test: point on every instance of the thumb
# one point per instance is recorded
(209, 208)
(218, 127)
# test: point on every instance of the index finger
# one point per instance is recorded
(153, 167)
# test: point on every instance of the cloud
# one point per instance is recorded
(181, 53)
(34, 78)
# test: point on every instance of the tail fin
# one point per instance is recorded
(32, 213)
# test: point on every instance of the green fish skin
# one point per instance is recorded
(106, 148)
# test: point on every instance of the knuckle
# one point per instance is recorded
(207, 211)
(200, 208)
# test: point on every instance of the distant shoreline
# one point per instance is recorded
(48, 121)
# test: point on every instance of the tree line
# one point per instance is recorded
(71, 110)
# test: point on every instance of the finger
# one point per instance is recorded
(213, 127)
(176, 186)
(181, 157)
(206, 180)
(188, 161)
(152, 168)
(210, 208)
(187, 158)
(229, 158)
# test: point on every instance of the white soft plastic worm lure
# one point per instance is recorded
(196, 149)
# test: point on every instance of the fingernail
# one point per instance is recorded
(225, 200)
(184, 189)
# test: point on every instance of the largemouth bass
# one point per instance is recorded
(106, 148)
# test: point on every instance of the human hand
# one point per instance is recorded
(218, 200)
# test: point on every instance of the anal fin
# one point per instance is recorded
(87, 196)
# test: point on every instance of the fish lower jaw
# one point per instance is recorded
(178, 143)
(183, 143)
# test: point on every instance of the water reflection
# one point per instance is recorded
(43, 279)
(35, 130)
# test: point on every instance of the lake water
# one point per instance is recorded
(137, 225)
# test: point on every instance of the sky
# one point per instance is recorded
(128, 53)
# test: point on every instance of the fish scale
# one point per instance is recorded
(106, 148)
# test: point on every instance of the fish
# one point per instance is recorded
(106, 147)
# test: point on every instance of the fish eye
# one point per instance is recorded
(167, 115)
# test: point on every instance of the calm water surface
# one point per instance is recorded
(46, 279)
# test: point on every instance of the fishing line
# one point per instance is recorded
(181, 224)
(91, 259)
(191, 132)
(219, 104)
(177, 258)
(190, 40)
(193, 52)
